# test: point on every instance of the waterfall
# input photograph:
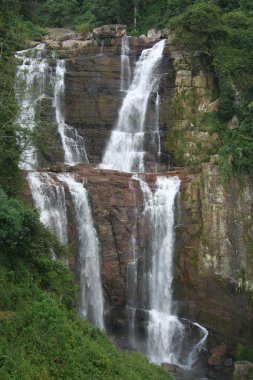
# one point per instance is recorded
(73, 144)
(166, 333)
(91, 294)
(49, 199)
(34, 80)
(30, 88)
(125, 77)
(125, 150)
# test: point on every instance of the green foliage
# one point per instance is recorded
(45, 341)
(244, 353)
(14, 32)
(152, 15)
(58, 13)
(83, 28)
(27, 246)
(225, 30)
(199, 27)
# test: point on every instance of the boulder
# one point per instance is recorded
(109, 31)
(52, 44)
(154, 34)
(60, 34)
(242, 370)
(172, 368)
(165, 33)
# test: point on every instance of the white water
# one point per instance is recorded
(30, 88)
(91, 294)
(34, 79)
(125, 77)
(125, 150)
(49, 198)
(72, 143)
(167, 335)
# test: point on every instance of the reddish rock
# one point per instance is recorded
(220, 350)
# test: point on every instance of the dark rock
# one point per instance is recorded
(228, 362)
(109, 31)
(172, 368)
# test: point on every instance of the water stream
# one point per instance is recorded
(91, 294)
(35, 80)
(125, 150)
(72, 142)
(166, 333)
(125, 78)
(31, 80)
(50, 199)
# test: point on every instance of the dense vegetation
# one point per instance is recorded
(41, 336)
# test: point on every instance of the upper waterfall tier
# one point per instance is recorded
(40, 91)
(31, 80)
(126, 148)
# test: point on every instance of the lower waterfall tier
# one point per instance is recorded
(204, 292)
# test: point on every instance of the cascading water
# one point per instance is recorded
(49, 199)
(30, 88)
(125, 78)
(166, 334)
(125, 150)
(34, 79)
(91, 294)
(73, 144)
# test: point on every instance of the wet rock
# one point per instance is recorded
(172, 368)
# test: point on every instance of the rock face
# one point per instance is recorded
(214, 259)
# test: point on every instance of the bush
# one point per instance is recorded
(199, 27)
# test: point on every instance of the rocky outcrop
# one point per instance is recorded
(109, 31)
(189, 95)
(214, 258)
